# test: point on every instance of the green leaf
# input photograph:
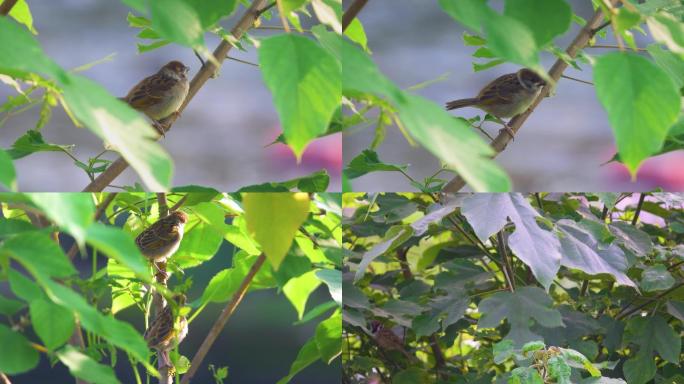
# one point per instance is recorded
(532, 346)
(9, 307)
(20, 53)
(315, 182)
(546, 19)
(24, 287)
(452, 140)
(651, 334)
(298, 289)
(575, 356)
(368, 161)
(39, 255)
(305, 82)
(503, 350)
(274, 219)
(329, 337)
(9, 227)
(317, 311)
(32, 141)
(177, 21)
(211, 11)
(333, 279)
(512, 41)
(559, 370)
(676, 309)
(666, 29)
(83, 367)
(21, 357)
(73, 212)
(536, 247)
(470, 13)
(642, 104)
(122, 127)
(656, 278)
(53, 323)
(204, 236)
(411, 375)
(118, 333)
(671, 63)
(394, 237)
(354, 297)
(21, 13)
(8, 176)
(238, 237)
(581, 250)
(119, 245)
(519, 307)
(357, 34)
(291, 5)
(222, 285)
(307, 355)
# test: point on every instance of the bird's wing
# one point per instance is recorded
(149, 91)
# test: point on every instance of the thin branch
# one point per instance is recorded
(6, 7)
(179, 203)
(507, 267)
(577, 80)
(222, 320)
(624, 313)
(163, 204)
(502, 139)
(351, 13)
(4, 379)
(208, 71)
(642, 196)
(613, 46)
(283, 17)
(158, 301)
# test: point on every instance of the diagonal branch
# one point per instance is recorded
(209, 70)
(6, 7)
(581, 40)
(351, 13)
(222, 320)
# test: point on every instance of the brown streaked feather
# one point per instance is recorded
(498, 89)
(149, 91)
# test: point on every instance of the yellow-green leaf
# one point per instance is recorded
(273, 220)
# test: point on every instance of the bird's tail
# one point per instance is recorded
(461, 103)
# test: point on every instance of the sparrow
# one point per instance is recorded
(507, 96)
(162, 239)
(167, 330)
(160, 95)
(387, 340)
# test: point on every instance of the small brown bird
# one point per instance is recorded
(507, 96)
(168, 329)
(388, 340)
(162, 239)
(160, 95)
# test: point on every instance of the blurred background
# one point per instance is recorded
(561, 147)
(258, 344)
(220, 140)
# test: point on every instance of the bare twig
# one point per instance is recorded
(351, 13)
(222, 320)
(640, 204)
(208, 71)
(158, 300)
(283, 17)
(179, 203)
(163, 204)
(4, 379)
(6, 7)
(505, 260)
(501, 140)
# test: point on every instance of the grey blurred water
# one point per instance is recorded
(220, 140)
(560, 148)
